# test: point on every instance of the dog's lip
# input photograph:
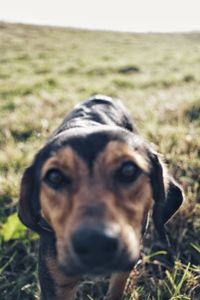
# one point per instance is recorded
(106, 270)
(122, 263)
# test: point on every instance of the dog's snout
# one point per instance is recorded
(94, 210)
(95, 245)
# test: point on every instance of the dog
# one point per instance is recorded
(88, 194)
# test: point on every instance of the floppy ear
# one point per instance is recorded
(28, 202)
(167, 195)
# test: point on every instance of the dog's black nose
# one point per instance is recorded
(95, 245)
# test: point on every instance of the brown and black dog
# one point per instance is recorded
(88, 193)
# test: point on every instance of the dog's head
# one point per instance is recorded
(94, 189)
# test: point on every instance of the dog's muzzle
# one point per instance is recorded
(97, 250)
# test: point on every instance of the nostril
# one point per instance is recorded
(81, 246)
(111, 244)
(93, 243)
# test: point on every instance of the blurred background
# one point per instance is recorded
(145, 52)
(126, 15)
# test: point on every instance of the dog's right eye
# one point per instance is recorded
(56, 179)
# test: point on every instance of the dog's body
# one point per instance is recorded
(88, 194)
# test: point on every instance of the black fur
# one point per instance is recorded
(98, 110)
(47, 249)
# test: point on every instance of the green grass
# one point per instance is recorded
(43, 73)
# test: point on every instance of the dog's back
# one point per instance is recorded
(97, 110)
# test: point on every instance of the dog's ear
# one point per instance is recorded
(28, 202)
(167, 194)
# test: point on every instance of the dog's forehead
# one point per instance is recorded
(89, 144)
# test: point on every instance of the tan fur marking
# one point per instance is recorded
(65, 159)
(115, 152)
(56, 206)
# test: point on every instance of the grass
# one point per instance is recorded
(44, 73)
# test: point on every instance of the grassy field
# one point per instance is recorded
(43, 73)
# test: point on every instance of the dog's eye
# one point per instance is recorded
(128, 172)
(56, 179)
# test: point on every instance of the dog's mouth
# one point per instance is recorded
(98, 265)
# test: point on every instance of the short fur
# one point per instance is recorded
(91, 219)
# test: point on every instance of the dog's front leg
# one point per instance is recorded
(67, 290)
(116, 286)
(54, 285)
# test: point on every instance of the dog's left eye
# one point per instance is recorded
(55, 178)
(128, 172)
